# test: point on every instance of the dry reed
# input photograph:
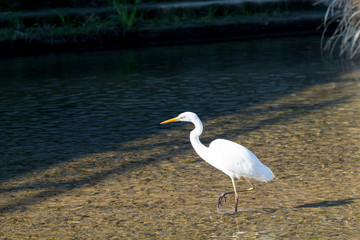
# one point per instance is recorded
(346, 35)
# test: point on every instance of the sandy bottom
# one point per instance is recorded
(159, 188)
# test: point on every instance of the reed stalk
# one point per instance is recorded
(346, 37)
(126, 10)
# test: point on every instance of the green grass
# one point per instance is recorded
(126, 11)
(125, 19)
(51, 31)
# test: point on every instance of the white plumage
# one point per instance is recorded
(233, 159)
(238, 161)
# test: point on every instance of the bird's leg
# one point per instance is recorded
(236, 202)
(251, 186)
(236, 195)
(223, 195)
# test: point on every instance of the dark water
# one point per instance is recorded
(56, 107)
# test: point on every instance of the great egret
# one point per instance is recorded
(233, 159)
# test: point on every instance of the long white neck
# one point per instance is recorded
(200, 148)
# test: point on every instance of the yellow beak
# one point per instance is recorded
(170, 120)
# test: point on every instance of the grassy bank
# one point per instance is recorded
(143, 23)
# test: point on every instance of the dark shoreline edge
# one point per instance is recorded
(287, 23)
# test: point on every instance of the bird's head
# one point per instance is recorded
(184, 117)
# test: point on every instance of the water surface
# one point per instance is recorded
(56, 107)
(81, 146)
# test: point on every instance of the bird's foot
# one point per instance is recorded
(250, 188)
(222, 197)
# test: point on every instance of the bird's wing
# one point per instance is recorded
(237, 161)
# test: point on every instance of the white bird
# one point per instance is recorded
(233, 159)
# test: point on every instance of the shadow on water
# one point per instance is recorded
(178, 147)
(328, 203)
(57, 108)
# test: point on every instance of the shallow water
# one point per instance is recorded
(83, 154)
